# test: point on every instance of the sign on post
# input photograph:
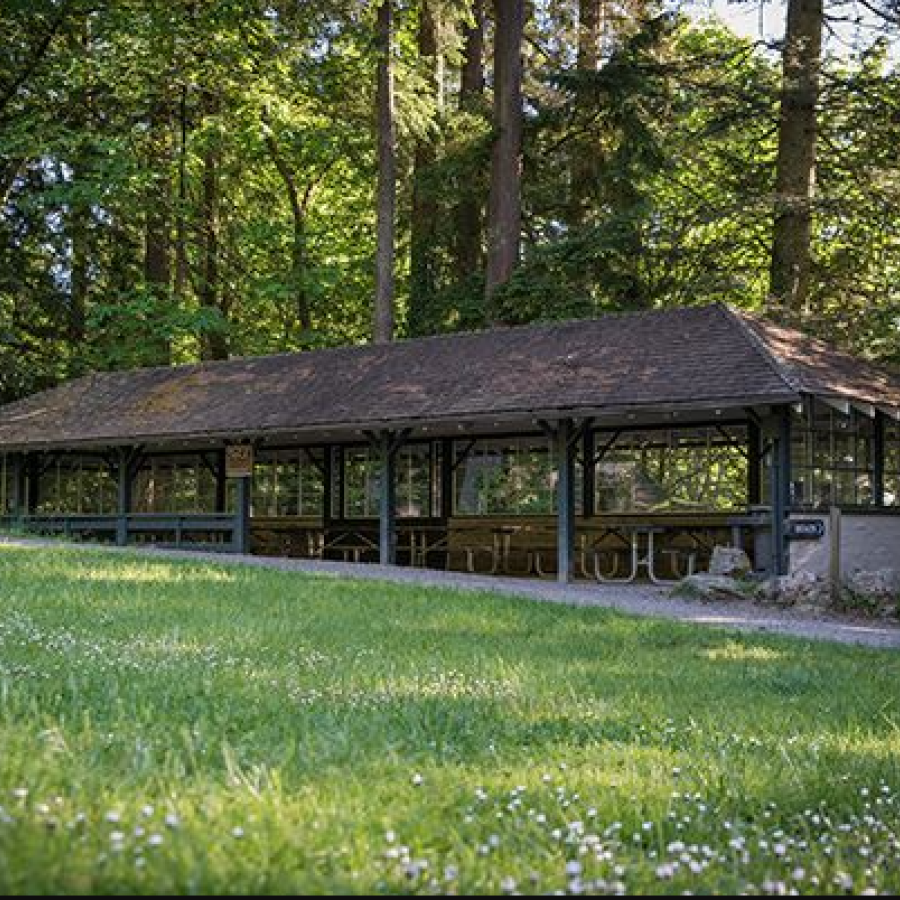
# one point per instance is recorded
(239, 461)
(806, 530)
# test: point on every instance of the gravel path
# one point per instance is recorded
(638, 600)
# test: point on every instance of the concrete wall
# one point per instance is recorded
(869, 543)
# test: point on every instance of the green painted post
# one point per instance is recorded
(879, 457)
(565, 501)
(18, 502)
(589, 469)
(327, 487)
(448, 472)
(388, 499)
(755, 465)
(32, 484)
(221, 483)
(125, 497)
(242, 516)
(781, 493)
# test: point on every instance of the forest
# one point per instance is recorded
(184, 180)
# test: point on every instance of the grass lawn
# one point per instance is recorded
(181, 727)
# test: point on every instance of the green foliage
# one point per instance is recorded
(647, 183)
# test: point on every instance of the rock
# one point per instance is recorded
(800, 589)
(884, 583)
(728, 562)
(876, 592)
(710, 588)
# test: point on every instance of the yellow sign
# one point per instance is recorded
(239, 461)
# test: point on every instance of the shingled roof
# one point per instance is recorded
(690, 359)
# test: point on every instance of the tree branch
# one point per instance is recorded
(9, 92)
(9, 172)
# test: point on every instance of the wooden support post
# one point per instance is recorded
(18, 507)
(340, 463)
(566, 451)
(242, 515)
(589, 470)
(32, 484)
(755, 465)
(879, 458)
(448, 470)
(836, 568)
(388, 445)
(781, 493)
(124, 476)
(328, 487)
(221, 482)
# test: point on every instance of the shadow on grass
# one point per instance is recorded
(428, 676)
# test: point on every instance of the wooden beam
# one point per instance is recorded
(733, 443)
(605, 450)
(842, 406)
(467, 452)
(315, 463)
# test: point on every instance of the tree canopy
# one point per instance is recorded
(188, 180)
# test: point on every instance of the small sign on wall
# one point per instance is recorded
(807, 530)
(239, 461)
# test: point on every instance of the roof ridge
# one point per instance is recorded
(782, 369)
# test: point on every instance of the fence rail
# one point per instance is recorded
(180, 531)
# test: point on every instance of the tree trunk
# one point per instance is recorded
(38, 53)
(215, 343)
(423, 260)
(796, 167)
(385, 279)
(505, 211)
(298, 250)
(472, 87)
(80, 208)
(182, 261)
(10, 170)
(80, 232)
(590, 34)
(469, 215)
(158, 235)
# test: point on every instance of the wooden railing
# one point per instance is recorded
(605, 546)
(199, 531)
